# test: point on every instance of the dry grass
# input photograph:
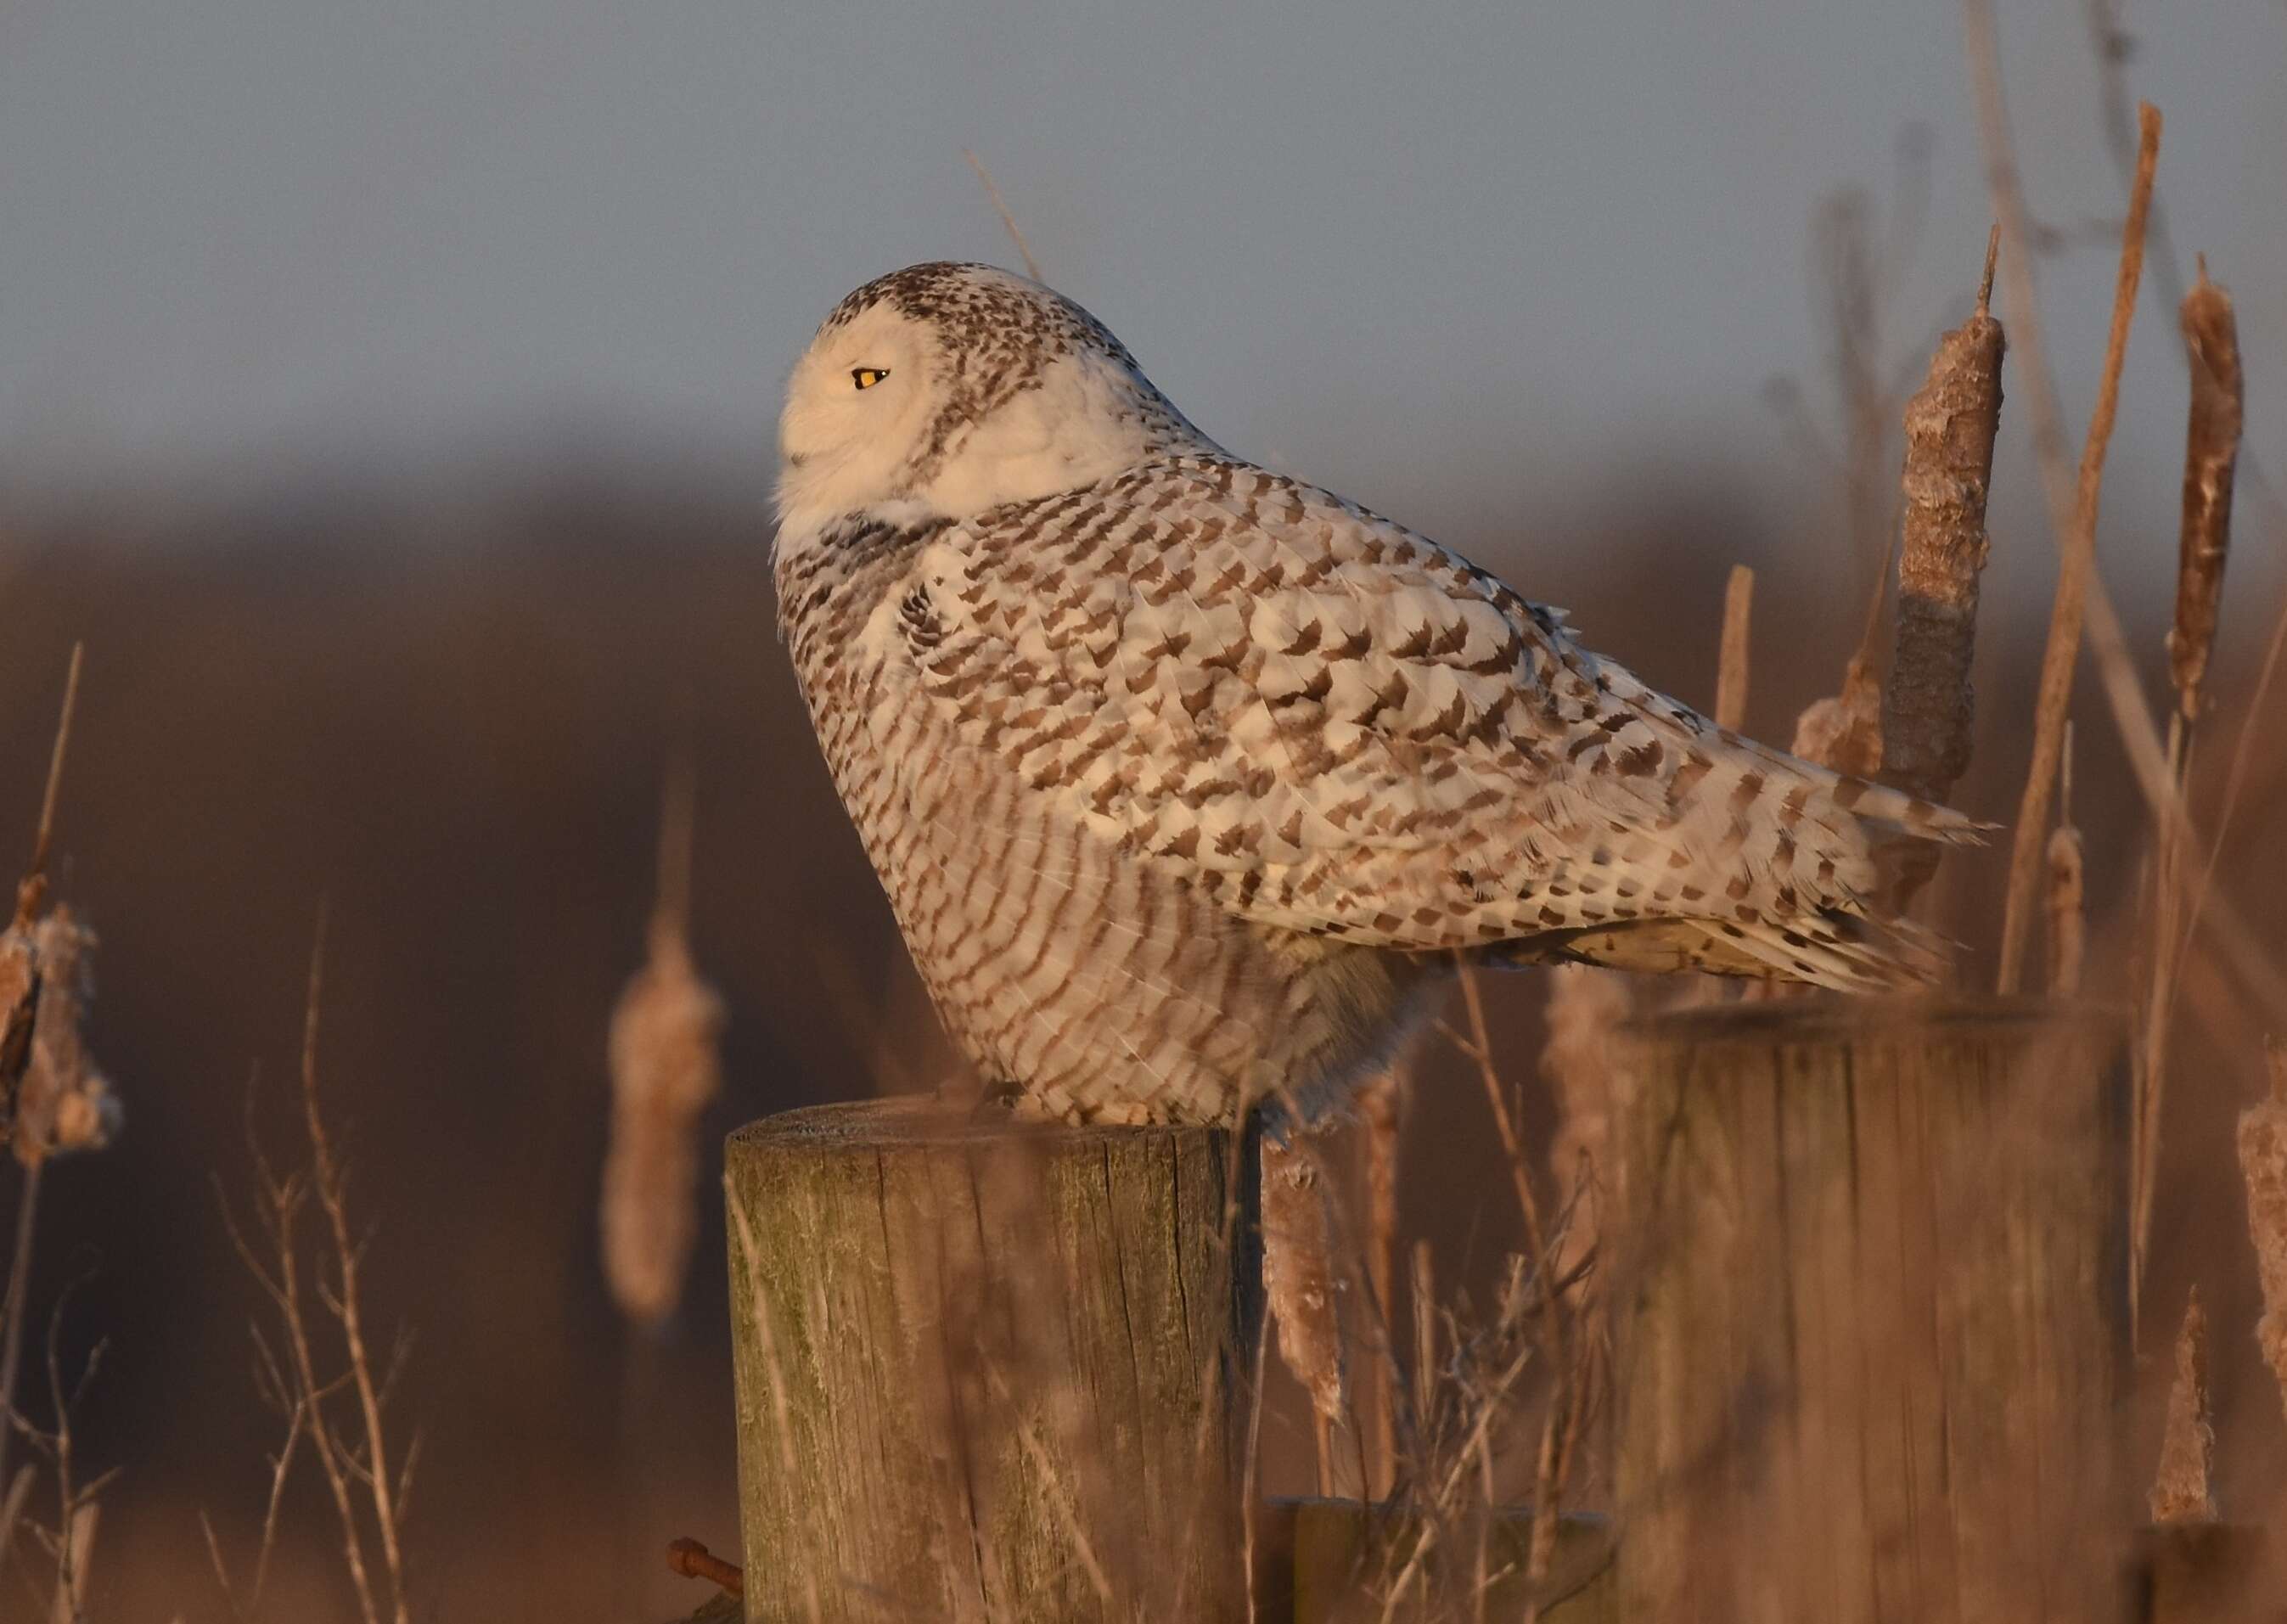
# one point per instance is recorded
(367, 1479)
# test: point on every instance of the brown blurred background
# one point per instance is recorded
(448, 720)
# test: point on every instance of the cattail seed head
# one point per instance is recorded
(664, 1071)
(2263, 1165)
(2210, 456)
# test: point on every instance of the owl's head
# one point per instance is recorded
(950, 389)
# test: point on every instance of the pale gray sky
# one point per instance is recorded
(1411, 251)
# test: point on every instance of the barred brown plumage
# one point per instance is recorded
(1186, 779)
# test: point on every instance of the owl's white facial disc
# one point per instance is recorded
(948, 390)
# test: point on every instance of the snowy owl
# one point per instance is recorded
(1189, 782)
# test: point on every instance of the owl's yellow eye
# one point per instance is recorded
(866, 378)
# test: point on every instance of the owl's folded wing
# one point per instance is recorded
(1336, 727)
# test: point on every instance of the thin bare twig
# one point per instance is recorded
(1008, 220)
(34, 891)
(330, 1182)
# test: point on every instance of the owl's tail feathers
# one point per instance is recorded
(1894, 812)
(1846, 952)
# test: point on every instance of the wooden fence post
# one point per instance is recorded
(1869, 1313)
(985, 1370)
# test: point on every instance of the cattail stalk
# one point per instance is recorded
(2062, 651)
(1731, 662)
(2212, 451)
(2263, 1165)
(1381, 1106)
(1929, 707)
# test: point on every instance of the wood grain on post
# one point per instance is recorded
(1869, 1313)
(989, 1370)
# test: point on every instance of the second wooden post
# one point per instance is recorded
(1870, 1314)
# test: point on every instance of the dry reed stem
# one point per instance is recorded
(33, 890)
(2210, 454)
(1731, 663)
(2211, 449)
(2067, 911)
(1007, 220)
(1584, 1006)
(1425, 1336)
(1488, 1405)
(2263, 1165)
(2243, 951)
(1477, 1045)
(1250, 1488)
(1382, 1106)
(2108, 642)
(664, 1072)
(2079, 563)
(2183, 1488)
(1929, 706)
(1299, 1278)
(1571, 1402)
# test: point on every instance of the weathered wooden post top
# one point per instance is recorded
(990, 1371)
